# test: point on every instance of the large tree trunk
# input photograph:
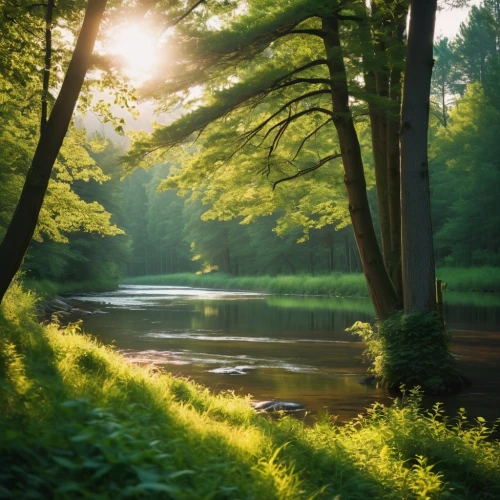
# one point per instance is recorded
(23, 223)
(417, 246)
(383, 66)
(381, 290)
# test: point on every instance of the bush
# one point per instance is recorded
(411, 350)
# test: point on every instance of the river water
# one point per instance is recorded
(284, 347)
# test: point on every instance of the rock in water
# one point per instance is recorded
(270, 406)
(60, 304)
(80, 312)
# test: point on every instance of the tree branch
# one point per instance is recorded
(308, 136)
(285, 106)
(308, 170)
(313, 32)
(312, 81)
(183, 16)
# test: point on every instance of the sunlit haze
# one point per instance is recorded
(135, 47)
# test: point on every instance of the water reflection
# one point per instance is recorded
(290, 348)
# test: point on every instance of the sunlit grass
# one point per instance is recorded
(345, 285)
(79, 420)
(335, 284)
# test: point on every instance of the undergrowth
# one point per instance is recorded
(411, 350)
(77, 420)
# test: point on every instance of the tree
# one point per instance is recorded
(416, 235)
(477, 42)
(444, 78)
(466, 178)
(23, 223)
(265, 82)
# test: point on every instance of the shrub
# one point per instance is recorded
(411, 349)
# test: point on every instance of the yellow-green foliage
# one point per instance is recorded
(78, 420)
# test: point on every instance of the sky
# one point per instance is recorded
(448, 20)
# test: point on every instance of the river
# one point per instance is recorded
(285, 347)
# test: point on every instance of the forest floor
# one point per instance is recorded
(77, 419)
(480, 279)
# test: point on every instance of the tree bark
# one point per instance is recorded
(393, 151)
(23, 223)
(416, 226)
(381, 290)
(383, 67)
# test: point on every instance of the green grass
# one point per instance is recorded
(45, 288)
(77, 420)
(353, 304)
(336, 284)
(346, 285)
(475, 279)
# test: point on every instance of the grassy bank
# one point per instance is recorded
(337, 284)
(45, 288)
(345, 285)
(78, 420)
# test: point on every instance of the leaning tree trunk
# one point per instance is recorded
(23, 223)
(417, 247)
(381, 290)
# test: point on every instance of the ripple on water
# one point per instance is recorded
(216, 337)
(187, 357)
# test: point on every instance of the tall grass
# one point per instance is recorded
(77, 420)
(346, 285)
(475, 279)
(335, 284)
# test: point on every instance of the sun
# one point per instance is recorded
(134, 48)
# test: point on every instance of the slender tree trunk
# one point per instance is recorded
(48, 64)
(23, 223)
(331, 251)
(393, 185)
(396, 56)
(347, 253)
(382, 292)
(378, 126)
(417, 245)
(443, 103)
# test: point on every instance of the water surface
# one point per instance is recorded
(289, 348)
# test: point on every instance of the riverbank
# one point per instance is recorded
(484, 279)
(78, 420)
(47, 289)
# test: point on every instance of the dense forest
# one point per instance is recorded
(165, 220)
